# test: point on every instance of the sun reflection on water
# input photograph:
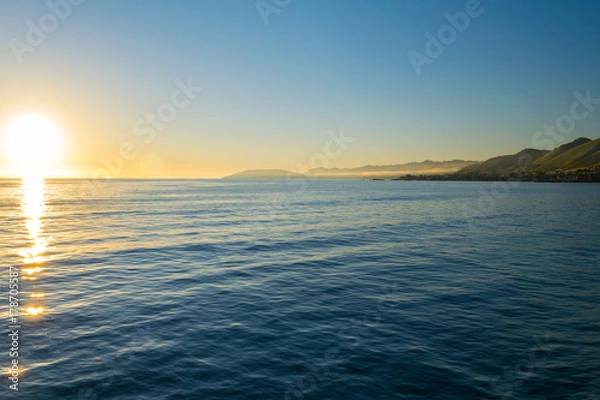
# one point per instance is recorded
(35, 310)
(31, 271)
(33, 206)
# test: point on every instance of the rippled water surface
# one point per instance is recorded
(291, 290)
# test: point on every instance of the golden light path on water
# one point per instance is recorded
(33, 209)
(33, 205)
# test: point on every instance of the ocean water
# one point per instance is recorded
(303, 290)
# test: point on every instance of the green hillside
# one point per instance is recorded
(505, 164)
(582, 153)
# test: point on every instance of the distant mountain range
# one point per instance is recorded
(392, 171)
(575, 161)
(366, 172)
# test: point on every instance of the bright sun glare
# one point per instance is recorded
(33, 145)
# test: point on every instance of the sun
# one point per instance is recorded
(33, 145)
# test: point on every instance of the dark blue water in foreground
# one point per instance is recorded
(329, 290)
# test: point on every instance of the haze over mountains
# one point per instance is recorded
(366, 172)
(582, 153)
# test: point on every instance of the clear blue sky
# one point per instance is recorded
(272, 92)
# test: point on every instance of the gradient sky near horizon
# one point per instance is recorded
(271, 93)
